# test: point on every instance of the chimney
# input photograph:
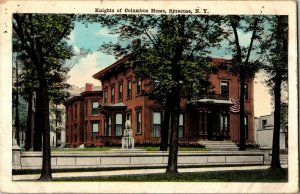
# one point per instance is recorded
(88, 87)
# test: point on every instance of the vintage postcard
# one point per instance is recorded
(149, 96)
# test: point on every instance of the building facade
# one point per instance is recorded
(264, 132)
(213, 117)
(83, 122)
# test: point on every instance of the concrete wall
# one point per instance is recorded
(113, 159)
(265, 138)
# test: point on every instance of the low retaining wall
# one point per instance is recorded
(117, 159)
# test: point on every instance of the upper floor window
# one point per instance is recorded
(105, 96)
(75, 111)
(86, 107)
(128, 88)
(120, 95)
(246, 91)
(224, 88)
(112, 94)
(95, 106)
(264, 123)
(138, 85)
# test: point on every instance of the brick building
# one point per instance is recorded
(212, 117)
(83, 122)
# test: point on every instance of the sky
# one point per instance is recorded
(93, 36)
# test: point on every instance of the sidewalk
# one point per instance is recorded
(137, 171)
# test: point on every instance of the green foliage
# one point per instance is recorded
(170, 44)
(274, 49)
(243, 61)
(46, 37)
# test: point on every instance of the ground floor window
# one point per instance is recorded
(107, 126)
(95, 128)
(181, 128)
(246, 126)
(224, 124)
(138, 122)
(156, 124)
(119, 123)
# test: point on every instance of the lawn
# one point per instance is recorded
(108, 148)
(216, 176)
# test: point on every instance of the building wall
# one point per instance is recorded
(79, 118)
(146, 106)
(265, 131)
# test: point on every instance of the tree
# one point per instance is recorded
(42, 38)
(173, 54)
(275, 50)
(242, 65)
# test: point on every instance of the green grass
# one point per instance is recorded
(216, 176)
(107, 148)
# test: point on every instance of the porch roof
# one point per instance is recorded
(107, 107)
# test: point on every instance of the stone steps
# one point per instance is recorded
(219, 145)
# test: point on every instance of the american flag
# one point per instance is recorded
(235, 108)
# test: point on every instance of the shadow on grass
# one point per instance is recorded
(216, 176)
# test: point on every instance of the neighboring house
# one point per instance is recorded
(83, 122)
(57, 125)
(264, 132)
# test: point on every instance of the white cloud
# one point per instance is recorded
(105, 32)
(82, 72)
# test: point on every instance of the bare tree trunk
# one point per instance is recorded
(38, 125)
(46, 173)
(17, 119)
(29, 122)
(242, 113)
(275, 163)
(173, 151)
(165, 129)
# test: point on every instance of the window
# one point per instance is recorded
(156, 124)
(105, 96)
(224, 88)
(224, 123)
(75, 133)
(264, 123)
(246, 126)
(95, 106)
(138, 122)
(180, 132)
(138, 85)
(86, 107)
(75, 111)
(107, 126)
(120, 95)
(128, 116)
(246, 91)
(128, 88)
(119, 122)
(95, 127)
(58, 115)
(112, 94)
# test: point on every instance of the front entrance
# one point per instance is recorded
(209, 124)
